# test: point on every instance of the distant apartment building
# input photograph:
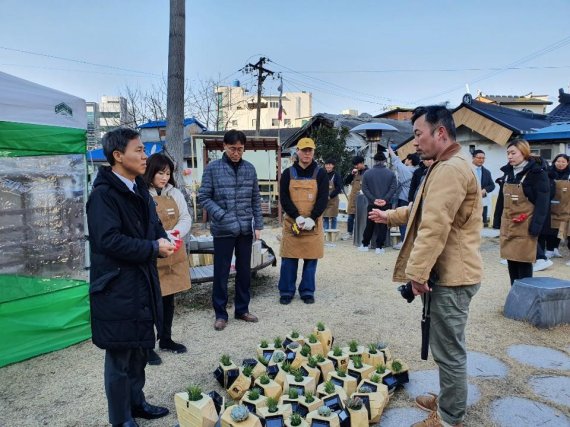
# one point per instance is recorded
(237, 109)
(113, 113)
(529, 102)
(93, 132)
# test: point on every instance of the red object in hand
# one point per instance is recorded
(177, 239)
(521, 218)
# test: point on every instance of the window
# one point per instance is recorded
(234, 122)
(545, 153)
(110, 115)
(274, 104)
(274, 122)
(287, 122)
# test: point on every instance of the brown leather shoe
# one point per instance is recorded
(427, 402)
(220, 324)
(247, 317)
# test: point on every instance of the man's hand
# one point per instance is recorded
(257, 234)
(419, 288)
(354, 171)
(390, 151)
(309, 224)
(300, 220)
(484, 192)
(378, 216)
(380, 202)
(165, 248)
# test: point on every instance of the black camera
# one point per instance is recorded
(407, 292)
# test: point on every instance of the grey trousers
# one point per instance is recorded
(449, 310)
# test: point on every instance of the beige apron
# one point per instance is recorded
(174, 271)
(308, 244)
(516, 242)
(332, 206)
(356, 184)
(560, 212)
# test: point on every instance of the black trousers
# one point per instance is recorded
(224, 248)
(371, 226)
(124, 381)
(168, 316)
(519, 270)
(485, 220)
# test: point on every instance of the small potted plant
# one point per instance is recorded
(281, 376)
(359, 370)
(374, 383)
(383, 348)
(315, 345)
(295, 420)
(328, 388)
(325, 336)
(399, 371)
(301, 357)
(253, 399)
(227, 372)
(275, 363)
(293, 354)
(323, 416)
(278, 343)
(239, 415)
(268, 387)
(242, 383)
(338, 357)
(353, 349)
(294, 336)
(258, 368)
(308, 402)
(325, 365)
(312, 368)
(375, 397)
(296, 379)
(340, 378)
(373, 356)
(291, 398)
(194, 408)
(357, 411)
(274, 410)
(265, 349)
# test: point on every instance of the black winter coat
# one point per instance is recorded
(536, 188)
(126, 302)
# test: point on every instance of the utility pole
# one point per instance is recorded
(262, 74)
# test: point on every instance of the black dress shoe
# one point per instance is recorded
(172, 346)
(152, 358)
(148, 411)
(130, 423)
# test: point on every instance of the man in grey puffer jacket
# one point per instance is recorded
(230, 193)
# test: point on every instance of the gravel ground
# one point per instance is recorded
(355, 298)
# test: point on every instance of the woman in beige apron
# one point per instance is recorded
(304, 198)
(335, 187)
(559, 173)
(174, 271)
(523, 208)
(354, 179)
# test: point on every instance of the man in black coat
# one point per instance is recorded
(126, 237)
(485, 180)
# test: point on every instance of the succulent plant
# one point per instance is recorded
(305, 350)
(271, 404)
(254, 394)
(396, 366)
(286, 366)
(278, 342)
(298, 375)
(312, 361)
(365, 389)
(264, 344)
(353, 346)
(278, 356)
(375, 378)
(309, 396)
(295, 419)
(372, 348)
(320, 326)
(313, 339)
(295, 334)
(357, 362)
(262, 360)
(264, 379)
(381, 345)
(380, 368)
(341, 372)
(247, 370)
(321, 358)
(337, 351)
(329, 387)
(225, 360)
(293, 393)
(324, 411)
(194, 393)
(354, 403)
(293, 345)
(239, 413)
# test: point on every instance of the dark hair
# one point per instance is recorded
(561, 155)
(436, 115)
(233, 136)
(117, 140)
(380, 157)
(414, 158)
(476, 152)
(156, 163)
(330, 161)
(357, 159)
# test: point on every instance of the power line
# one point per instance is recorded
(433, 70)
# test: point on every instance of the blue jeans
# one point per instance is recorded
(223, 249)
(288, 277)
(350, 223)
(332, 222)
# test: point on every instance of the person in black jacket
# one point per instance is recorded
(485, 180)
(126, 237)
(558, 171)
(418, 177)
(518, 234)
(335, 187)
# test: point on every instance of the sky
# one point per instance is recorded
(361, 54)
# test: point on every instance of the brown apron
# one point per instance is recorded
(355, 189)
(516, 242)
(332, 206)
(174, 271)
(308, 244)
(560, 212)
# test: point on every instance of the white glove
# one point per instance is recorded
(300, 220)
(309, 224)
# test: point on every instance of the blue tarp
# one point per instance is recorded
(555, 131)
(98, 156)
(162, 123)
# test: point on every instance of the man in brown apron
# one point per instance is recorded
(304, 193)
(354, 178)
(335, 187)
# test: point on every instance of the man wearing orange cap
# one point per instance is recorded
(304, 193)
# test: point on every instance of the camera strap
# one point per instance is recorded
(426, 299)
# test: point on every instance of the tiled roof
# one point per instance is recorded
(562, 112)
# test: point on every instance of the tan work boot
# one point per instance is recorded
(427, 402)
(434, 420)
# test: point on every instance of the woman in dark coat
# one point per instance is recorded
(558, 171)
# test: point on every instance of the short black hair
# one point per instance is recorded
(380, 156)
(415, 158)
(357, 159)
(330, 161)
(232, 137)
(436, 115)
(156, 163)
(117, 140)
(476, 152)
